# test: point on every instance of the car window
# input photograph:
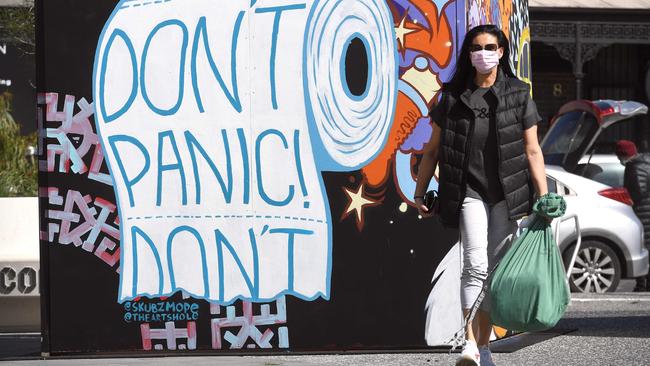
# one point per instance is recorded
(563, 129)
(611, 174)
(569, 138)
(552, 186)
(555, 186)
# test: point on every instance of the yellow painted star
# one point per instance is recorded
(356, 203)
(401, 31)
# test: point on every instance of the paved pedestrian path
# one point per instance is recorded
(610, 329)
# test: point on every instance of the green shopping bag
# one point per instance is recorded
(528, 288)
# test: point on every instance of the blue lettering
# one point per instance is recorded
(244, 153)
(258, 162)
(274, 42)
(193, 144)
(169, 307)
(181, 73)
(296, 153)
(202, 32)
(127, 181)
(290, 248)
(165, 167)
(135, 232)
(170, 257)
(253, 286)
(102, 76)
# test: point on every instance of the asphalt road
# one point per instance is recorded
(611, 329)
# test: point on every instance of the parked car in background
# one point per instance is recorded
(612, 236)
(603, 168)
(576, 127)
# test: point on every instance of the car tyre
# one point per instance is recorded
(597, 267)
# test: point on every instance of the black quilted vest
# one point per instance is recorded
(638, 170)
(457, 130)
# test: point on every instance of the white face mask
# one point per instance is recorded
(484, 61)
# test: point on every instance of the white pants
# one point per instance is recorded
(486, 232)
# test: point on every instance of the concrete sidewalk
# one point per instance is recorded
(611, 329)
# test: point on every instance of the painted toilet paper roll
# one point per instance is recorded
(217, 119)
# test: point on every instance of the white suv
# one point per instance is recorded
(603, 168)
(612, 236)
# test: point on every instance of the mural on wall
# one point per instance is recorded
(425, 47)
(240, 167)
(76, 217)
(512, 17)
(443, 304)
(199, 156)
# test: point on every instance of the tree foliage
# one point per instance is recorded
(18, 171)
(17, 26)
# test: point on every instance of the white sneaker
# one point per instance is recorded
(469, 356)
(486, 356)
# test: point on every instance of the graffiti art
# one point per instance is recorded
(239, 174)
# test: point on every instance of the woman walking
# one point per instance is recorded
(484, 142)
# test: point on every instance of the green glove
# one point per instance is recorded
(550, 205)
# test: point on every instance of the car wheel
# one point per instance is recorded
(596, 269)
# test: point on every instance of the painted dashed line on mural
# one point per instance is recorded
(134, 4)
(308, 219)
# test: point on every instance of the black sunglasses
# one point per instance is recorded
(488, 47)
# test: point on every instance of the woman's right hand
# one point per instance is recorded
(427, 169)
(422, 208)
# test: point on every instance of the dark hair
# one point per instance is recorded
(464, 68)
